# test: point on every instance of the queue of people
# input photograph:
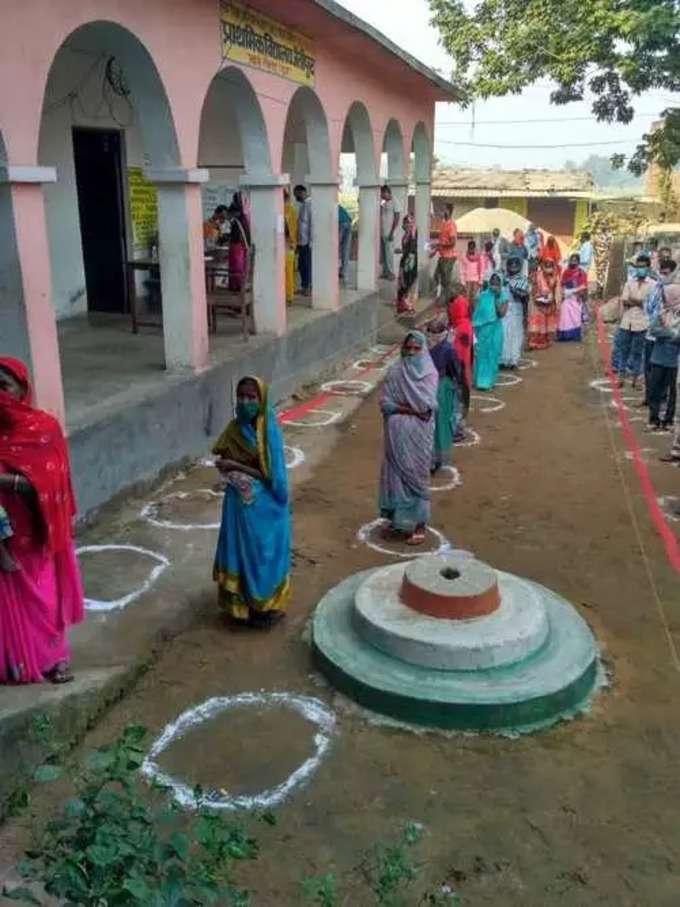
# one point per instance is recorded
(646, 349)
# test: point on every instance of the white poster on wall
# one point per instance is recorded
(214, 194)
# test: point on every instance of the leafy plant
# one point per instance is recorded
(393, 868)
(112, 847)
(321, 890)
(389, 871)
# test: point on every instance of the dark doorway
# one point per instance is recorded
(99, 180)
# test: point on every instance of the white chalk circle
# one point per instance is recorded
(670, 504)
(380, 349)
(117, 604)
(327, 417)
(370, 365)
(505, 380)
(525, 363)
(311, 709)
(493, 404)
(294, 457)
(454, 479)
(603, 385)
(348, 388)
(472, 439)
(149, 511)
(364, 536)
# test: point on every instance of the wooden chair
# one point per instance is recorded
(231, 303)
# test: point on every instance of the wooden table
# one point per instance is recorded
(152, 266)
(215, 265)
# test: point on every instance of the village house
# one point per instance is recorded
(556, 200)
(123, 124)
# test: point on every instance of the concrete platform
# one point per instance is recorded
(553, 682)
(517, 629)
(116, 388)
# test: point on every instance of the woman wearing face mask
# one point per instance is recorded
(574, 290)
(409, 407)
(515, 318)
(487, 321)
(40, 590)
(252, 561)
(629, 341)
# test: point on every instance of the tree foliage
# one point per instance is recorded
(611, 50)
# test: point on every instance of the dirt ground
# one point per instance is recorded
(585, 813)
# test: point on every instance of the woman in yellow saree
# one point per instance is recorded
(252, 561)
(290, 221)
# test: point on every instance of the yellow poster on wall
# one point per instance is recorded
(256, 40)
(143, 208)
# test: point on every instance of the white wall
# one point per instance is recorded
(81, 73)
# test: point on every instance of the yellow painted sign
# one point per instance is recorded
(143, 208)
(256, 40)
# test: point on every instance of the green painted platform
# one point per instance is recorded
(551, 683)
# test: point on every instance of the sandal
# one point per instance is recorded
(59, 674)
(670, 458)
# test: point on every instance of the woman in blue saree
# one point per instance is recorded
(252, 561)
(492, 304)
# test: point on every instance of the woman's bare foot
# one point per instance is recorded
(416, 539)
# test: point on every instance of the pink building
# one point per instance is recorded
(122, 124)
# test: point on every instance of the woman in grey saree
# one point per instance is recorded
(409, 406)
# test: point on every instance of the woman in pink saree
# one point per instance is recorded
(239, 242)
(41, 593)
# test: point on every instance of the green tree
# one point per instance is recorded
(610, 49)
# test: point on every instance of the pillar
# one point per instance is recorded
(268, 236)
(422, 211)
(399, 187)
(369, 236)
(325, 262)
(180, 251)
(28, 326)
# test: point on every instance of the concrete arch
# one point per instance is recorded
(421, 146)
(306, 124)
(358, 138)
(103, 41)
(231, 101)
(393, 147)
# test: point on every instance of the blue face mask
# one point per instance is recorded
(247, 410)
(641, 271)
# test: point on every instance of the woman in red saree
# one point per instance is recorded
(551, 252)
(42, 597)
(460, 322)
(544, 305)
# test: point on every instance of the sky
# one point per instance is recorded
(406, 22)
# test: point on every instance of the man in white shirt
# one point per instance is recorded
(629, 341)
(585, 253)
(389, 221)
(304, 238)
